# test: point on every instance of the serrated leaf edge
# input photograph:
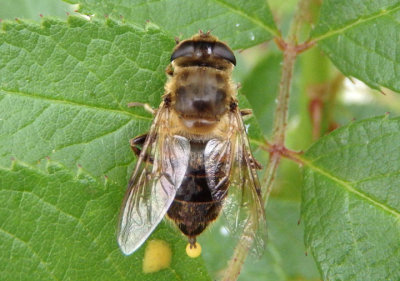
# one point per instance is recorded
(16, 162)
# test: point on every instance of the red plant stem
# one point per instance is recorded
(276, 151)
(280, 121)
(277, 148)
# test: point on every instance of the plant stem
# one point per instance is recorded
(241, 250)
(269, 175)
(290, 51)
(280, 124)
(281, 111)
(281, 115)
(280, 121)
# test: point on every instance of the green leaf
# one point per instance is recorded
(351, 206)
(361, 39)
(240, 23)
(64, 89)
(61, 226)
(28, 9)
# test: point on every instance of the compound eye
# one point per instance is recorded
(185, 50)
(222, 51)
(204, 50)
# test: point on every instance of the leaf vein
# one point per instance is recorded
(81, 62)
(97, 137)
(375, 177)
(350, 145)
(78, 220)
(251, 18)
(355, 242)
(358, 21)
(71, 103)
(35, 254)
(365, 47)
(351, 189)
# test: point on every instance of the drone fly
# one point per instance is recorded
(196, 160)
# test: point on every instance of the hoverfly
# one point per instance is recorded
(196, 152)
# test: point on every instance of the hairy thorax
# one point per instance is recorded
(200, 97)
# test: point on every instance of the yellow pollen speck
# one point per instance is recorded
(157, 256)
(193, 252)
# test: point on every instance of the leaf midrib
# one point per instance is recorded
(350, 188)
(357, 22)
(71, 103)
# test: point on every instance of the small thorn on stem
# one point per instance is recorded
(282, 45)
(351, 79)
(333, 126)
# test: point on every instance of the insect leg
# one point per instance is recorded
(137, 143)
(246, 112)
(146, 107)
(255, 164)
(169, 70)
(136, 146)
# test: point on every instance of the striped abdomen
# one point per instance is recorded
(193, 207)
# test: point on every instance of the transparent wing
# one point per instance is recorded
(158, 174)
(218, 160)
(231, 159)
